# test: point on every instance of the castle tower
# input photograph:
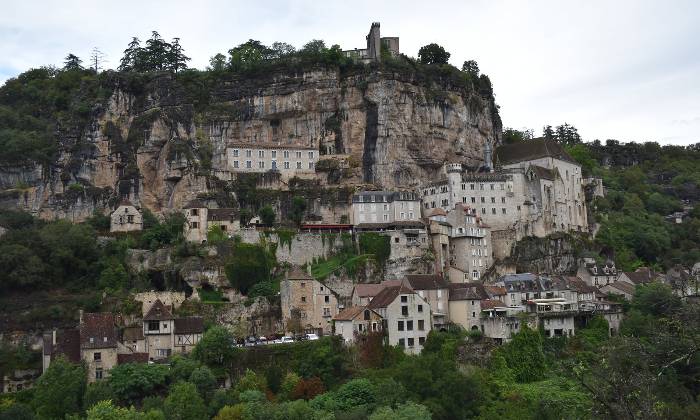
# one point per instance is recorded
(374, 46)
(488, 157)
(454, 178)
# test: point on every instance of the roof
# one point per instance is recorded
(426, 281)
(577, 284)
(221, 214)
(640, 276)
(158, 312)
(351, 313)
(194, 204)
(623, 286)
(133, 334)
(491, 304)
(388, 295)
(467, 291)
(132, 358)
(296, 273)
(495, 290)
(437, 211)
(372, 289)
(399, 223)
(543, 173)
(98, 331)
(530, 150)
(254, 146)
(67, 344)
(189, 325)
(384, 196)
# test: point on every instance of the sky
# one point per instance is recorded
(623, 69)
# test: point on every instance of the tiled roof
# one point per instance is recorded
(133, 334)
(640, 276)
(530, 150)
(67, 345)
(132, 358)
(372, 289)
(577, 284)
(399, 223)
(491, 304)
(438, 211)
(386, 296)
(217, 215)
(98, 331)
(351, 313)
(296, 273)
(467, 291)
(426, 281)
(624, 287)
(158, 312)
(543, 173)
(194, 204)
(495, 290)
(189, 325)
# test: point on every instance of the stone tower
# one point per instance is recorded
(488, 156)
(454, 177)
(374, 42)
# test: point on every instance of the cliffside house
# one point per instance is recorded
(465, 304)
(307, 304)
(164, 334)
(19, 379)
(407, 317)
(133, 338)
(287, 160)
(620, 288)
(372, 209)
(641, 275)
(126, 218)
(595, 274)
(356, 321)
(436, 291)
(470, 244)
(375, 45)
(200, 218)
(98, 344)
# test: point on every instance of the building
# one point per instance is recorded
(436, 291)
(19, 379)
(126, 218)
(683, 281)
(536, 190)
(307, 304)
(500, 322)
(356, 321)
(385, 207)
(595, 274)
(470, 244)
(188, 332)
(465, 304)
(133, 338)
(363, 293)
(375, 44)
(288, 160)
(620, 288)
(200, 218)
(164, 334)
(407, 317)
(642, 275)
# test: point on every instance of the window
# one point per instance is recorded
(235, 152)
(327, 299)
(194, 212)
(235, 164)
(409, 325)
(274, 164)
(261, 153)
(303, 284)
(286, 154)
(386, 218)
(303, 298)
(130, 218)
(98, 373)
(165, 326)
(402, 342)
(97, 356)
(503, 200)
(298, 155)
(493, 210)
(311, 155)
(326, 311)
(421, 325)
(420, 308)
(153, 325)
(399, 326)
(404, 299)
(248, 164)
(311, 165)
(421, 341)
(248, 153)
(298, 165)
(503, 210)
(261, 165)
(471, 186)
(483, 199)
(404, 310)
(273, 153)
(473, 199)
(491, 186)
(411, 342)
(286, 165)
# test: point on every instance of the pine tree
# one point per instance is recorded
(157, 53)
(177, 60)
(131, 55)
(548, 132)
(73, 62)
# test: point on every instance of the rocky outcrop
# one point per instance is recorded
(554, 254)
(161, 144)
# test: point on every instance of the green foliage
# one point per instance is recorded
(250, 381)
(655, 299)
(215, 348)
(204, 380)
(407, 411)
(511, 135)
(59, 391)
(583, 156)
(184, 403)
(267, 215)
(524, 355)
(376, 244)
(133, 381)
(96, 392)
(106, 410)
(433, 54)
(216, 235)
(157, 55)
(298, 210)
(250, 264)
(165, 233)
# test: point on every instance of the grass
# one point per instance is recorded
(210, 296)
(323, 268)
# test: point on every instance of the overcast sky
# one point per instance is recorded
(628, 70)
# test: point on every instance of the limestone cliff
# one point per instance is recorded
(161, 140)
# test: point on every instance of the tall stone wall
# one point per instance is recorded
(303, 248)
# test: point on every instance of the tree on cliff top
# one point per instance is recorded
(433, 54)
(157, 55)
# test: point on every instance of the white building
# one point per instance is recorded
(199, 219)
(355, 322)
(288, 160)
(126, 218)
(385, 207)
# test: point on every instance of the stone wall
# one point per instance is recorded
(174, 299)
(302, 249)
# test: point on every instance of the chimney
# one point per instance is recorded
(53, 337)
(80, 315)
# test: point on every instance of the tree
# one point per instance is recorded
(524, 355)
(250, 264)
(177, 60)
(97, 58)
(217, 63)
(105, 410)
(471, 67)
(298, 210)
(267, 215)
(282, 49)
(96, 392)
(567, 134)
(184, 403)
(73, 62)
(215, 349)
(133, 381)
(204, 380)
(433, 54)
(131, 61)
(247, 55)
(59, 391)
(548, 132)
(250, 381)
(511, 135)
(407, 411)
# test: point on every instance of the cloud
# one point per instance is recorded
(626, 69)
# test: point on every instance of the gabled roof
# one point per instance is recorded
(467, 291)
(372, 289)
(217, 215)
(194, 204)
(495, 290)
(158, 312)
(623, 286)
(132, 358)
(491, 304)
(388, 295)
(296, 273)
(577, 284)
(437, 211)
(98, 331)
(530, 150)
(426, 281)
(133, 334)
(189, 325)
(640, 276)
(67, 345)
(348, 314)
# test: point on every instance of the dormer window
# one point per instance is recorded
(92, 339)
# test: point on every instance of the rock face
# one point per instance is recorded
(160, 144)
(555, 254)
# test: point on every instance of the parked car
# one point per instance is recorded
(287, 339)
(312, 336)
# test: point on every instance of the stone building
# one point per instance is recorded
(199, 218)
(355, 322)
(436, 291)
(19, 379)
(307, 304)
(98, 344)
(470, 244)
(536, 190)
(164, 334)
(595, 274)
(288, 160)
(375, 43)
(385, 207)
(126, 218)
(465, 304)
(407, 317)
